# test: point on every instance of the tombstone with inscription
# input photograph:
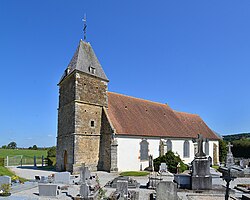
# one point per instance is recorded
(201, 178)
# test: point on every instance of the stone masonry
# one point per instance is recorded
(81, 118)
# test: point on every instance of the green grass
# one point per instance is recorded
(24, 152)
(26, 155)
(215, 167)
(6, 172)
(134, 173)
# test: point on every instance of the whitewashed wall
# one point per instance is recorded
(128, 152)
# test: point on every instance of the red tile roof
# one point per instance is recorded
(139, 117)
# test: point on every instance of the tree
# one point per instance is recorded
(4, 147)
(34, 147)
(171, 160)
(12, 145)
(241, 148)
(51, 152)
(222, 150)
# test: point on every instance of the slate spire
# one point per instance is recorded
(85, 60)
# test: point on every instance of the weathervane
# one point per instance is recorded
(84, 27)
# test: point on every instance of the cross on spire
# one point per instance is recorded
(84, 27)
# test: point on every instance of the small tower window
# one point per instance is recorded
(91, 70)
(92, 123)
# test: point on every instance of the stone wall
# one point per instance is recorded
(81, 101)
(66, 125)
(91, 90)
(87, 150)
(86, 114)
(65, 144)
(105, 144)
(67, 90)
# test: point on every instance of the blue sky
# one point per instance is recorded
(193, 55)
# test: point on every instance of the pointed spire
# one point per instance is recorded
(85, 60)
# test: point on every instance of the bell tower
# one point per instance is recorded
(82, 97)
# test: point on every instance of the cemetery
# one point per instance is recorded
(199, 182)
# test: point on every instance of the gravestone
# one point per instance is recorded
(62, 177)
(230, 158)
(5, 180)
(48, 190)
(201, 178)
(84, 190)
(43, 179)
(166, 190)
(163, 167)
(122, 189)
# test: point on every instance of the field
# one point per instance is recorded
(23, 152)
(22, 156)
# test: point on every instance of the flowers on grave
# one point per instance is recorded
(5, 190)
(15, 179)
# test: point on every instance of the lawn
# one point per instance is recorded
(23, 152)
(22, 156)
(134, 173)
(6, 172)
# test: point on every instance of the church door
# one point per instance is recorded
(65, 160)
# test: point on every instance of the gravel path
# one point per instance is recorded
(31, 193)
(29, 172)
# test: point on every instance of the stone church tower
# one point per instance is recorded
(82, 103)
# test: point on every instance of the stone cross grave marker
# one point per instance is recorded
(84, 173)
(122, 188)
(5, 180)
(84, 190)
(230, 158)
(200, 152)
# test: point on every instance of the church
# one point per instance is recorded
(114, 132)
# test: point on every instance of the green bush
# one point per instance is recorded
(222, 151)
(51, 161)
(2, 162)
(241, 148)
(51, 152)
(171, 160)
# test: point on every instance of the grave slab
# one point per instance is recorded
(50, 190)
(62, 177)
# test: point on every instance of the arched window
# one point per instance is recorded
(186, 149)
(207, 147)
(169, 145)
(144, 149)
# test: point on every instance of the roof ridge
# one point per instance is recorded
(181, 112)
(149, 101)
